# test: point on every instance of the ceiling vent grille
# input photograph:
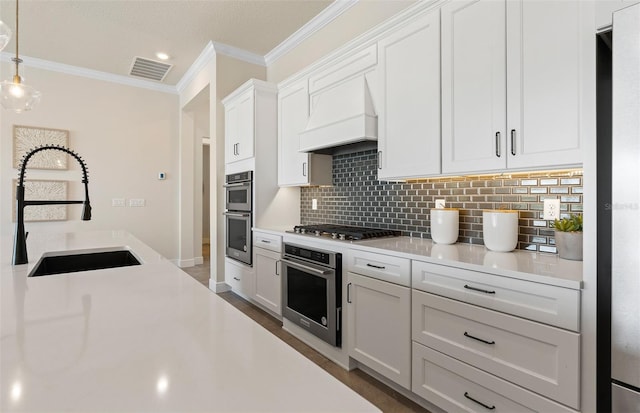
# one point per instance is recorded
(149, 69)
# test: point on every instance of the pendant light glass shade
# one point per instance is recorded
(15, 95)
(5, 35)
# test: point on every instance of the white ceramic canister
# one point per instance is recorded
(500, 229)
(445, 225)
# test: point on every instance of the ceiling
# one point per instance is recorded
(106, 35)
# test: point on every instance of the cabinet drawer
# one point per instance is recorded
(267, 241)
(548, 304)
(538, 357)
(382, 267)
(456, 386)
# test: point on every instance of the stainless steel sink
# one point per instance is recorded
(75, 261)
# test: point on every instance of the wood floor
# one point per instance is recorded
(385, 398)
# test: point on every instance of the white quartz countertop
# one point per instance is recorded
(143, 338)
(531, 266)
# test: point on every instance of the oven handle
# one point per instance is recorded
(305, 267)
(245, 183)
(237, 214)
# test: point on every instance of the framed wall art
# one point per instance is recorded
(26, 138)
(43, 190)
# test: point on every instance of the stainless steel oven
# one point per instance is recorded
(238, 236)
(312, 291)
(238, 216)
(238, 190)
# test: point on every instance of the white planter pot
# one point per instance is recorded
(569, 245)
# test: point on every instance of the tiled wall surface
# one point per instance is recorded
(358, 198)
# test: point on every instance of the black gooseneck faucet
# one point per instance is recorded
(20, 238)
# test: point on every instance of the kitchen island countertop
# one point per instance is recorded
(143, 338)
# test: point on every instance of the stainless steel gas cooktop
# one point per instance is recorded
(344, 232)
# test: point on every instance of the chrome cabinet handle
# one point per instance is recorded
(265, 241)
(304, 169)
(486, 406)
(513, 142)
(478, 339)
(468, 287)
(379, 159)
(379, 267)
(349, 293)
(277, 270)
(498, 144)
(236, 278)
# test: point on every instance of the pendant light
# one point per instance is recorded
(15, 95)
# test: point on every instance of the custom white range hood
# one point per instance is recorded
(343, 115)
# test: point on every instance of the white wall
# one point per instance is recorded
(126, 135)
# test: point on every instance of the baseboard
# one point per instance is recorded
(218, 287)
(186, 263)
(198, 260)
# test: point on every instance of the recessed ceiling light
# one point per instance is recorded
(162, 56)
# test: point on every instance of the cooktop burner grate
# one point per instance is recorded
(344, 232)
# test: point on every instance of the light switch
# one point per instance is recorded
(136, 202)
(314, 203)
(440, 203)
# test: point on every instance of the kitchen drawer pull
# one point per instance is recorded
(478, 339)
(349, 293)
(266, 241)
(498, 144)
(513, 142)
(468, 287)
(379, 267)
(236, 278)
(486, 406)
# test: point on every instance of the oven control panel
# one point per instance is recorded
(318, 256)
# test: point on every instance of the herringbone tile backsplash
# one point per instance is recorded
(358, 198)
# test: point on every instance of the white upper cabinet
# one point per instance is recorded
(239, 126)
(409, 110)
(297, 168)
(513, 84)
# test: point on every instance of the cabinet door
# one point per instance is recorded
(473, 86)
(293, 114)
(379, 327)
(547, 44)
(409, 114)
(245, 104)
(230, 132)
(240, 278)
(268, 284)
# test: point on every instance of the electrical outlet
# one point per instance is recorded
(314, 203)
(118, 202)
(138, 202)
(440, 203)
(551, 209)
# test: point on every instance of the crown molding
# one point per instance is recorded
(200, 63)
(326, 16)
(90, 73)
(240, 54)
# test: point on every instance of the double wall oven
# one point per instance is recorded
(238, 214)
(312, 290)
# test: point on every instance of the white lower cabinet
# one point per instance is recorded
(240, 277)
(379, 327)
(538, 357)
(268, 286)
(456, 386)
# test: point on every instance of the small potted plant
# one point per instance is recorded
(569, 237)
